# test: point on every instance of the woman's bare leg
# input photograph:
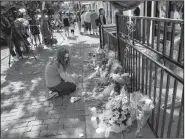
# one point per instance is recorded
(39, 38)
(35, 39)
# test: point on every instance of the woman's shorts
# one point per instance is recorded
(87, 25)
(66, 28)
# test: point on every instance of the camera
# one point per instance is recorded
(32, 13)
(50, 11)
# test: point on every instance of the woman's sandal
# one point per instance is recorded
(52, 95)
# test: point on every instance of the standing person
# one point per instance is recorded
(102, 18)
(94, 16)
(72, 27)
(59, 21)
(82, 21)
(87, 21)
(34, 28)
(44, 27)
(22, 27)
(136, 12)
(66, 24)
(78, 20)
(57, 79)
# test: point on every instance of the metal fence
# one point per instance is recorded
(161, 81)
(108, 37)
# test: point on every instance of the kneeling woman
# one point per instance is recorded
(57, 79)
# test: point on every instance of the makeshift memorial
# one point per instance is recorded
(119, 106)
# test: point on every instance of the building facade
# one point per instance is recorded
(162, 9)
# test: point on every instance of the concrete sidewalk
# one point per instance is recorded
(25, 110)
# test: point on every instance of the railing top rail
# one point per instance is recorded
(110, 33)
(109, 25)
(156, 18)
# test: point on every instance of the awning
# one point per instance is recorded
(125, 5)
(85, 3)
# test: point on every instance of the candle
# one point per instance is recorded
(94, 122)
(93, 110)
(98, 130)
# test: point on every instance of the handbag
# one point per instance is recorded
(97, 21)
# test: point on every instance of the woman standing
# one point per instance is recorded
(59, 21)
(94, 16)
(57, 79)
(78, 20)
(66, 24)
(82, 20)
(35, 29)
(102, 16)
(136, 12)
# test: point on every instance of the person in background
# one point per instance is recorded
(78, 20)
(94, 16)
(136, 12)
(34, 28)
(66, 24)
(57, 79)
(87, 21)
(72, 27)
(102, 19)
(23, 30)
(44, 27)
(59, 21)
(82, 21)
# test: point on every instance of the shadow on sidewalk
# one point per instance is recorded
(24, 90)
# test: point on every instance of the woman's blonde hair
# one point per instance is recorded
(60, 57)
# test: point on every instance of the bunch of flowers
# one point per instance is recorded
(117, 114)
(101, 58)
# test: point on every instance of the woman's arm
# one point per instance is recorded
(101, 19)
(64, 75)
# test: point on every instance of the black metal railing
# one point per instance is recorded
(149, 75)
(108, 36)
(162, 36)
(162, 83)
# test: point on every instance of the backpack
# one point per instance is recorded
(97, 21)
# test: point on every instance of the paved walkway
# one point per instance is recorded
(25, 110)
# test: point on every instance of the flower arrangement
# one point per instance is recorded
(111, 85)
(116, 116)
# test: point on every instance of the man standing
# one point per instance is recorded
(87, 21)
(82, 21)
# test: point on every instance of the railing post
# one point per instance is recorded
(118, 37)
(103, 37)
(100, 34)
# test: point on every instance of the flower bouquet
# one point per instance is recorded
(144, 110)
(117, 115)
(143, 106)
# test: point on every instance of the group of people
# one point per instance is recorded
(89, 20)
(66, 21)
(12, 34)
(57, 79)
(20, 29)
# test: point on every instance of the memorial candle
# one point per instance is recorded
(94, 122)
